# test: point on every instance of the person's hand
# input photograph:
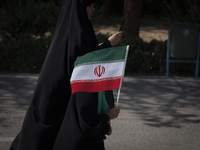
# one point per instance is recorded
(115, 38)
(113, 113)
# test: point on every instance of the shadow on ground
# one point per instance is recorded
(163, 102)
(158, 102)
(16, 92)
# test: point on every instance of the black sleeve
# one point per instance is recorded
(106, 44)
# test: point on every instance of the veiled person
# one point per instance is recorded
(53, 109)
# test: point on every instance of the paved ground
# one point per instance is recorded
(157, 113)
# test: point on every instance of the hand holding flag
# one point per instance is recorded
(113, 113)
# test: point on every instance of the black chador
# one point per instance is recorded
(56, 119)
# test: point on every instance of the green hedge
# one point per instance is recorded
(26, 55)
(23, 54)
(31, 18)
(145, 58)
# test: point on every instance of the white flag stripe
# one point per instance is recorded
(88, 71)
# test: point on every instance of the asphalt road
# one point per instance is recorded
(157, 113)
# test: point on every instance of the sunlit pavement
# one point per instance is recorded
(157, 113)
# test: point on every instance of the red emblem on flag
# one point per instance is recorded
(99, 71)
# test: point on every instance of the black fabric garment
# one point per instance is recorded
(73, 36)
(83, 128)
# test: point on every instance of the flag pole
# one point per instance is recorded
(120, 85)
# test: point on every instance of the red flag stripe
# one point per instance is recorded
(100, 85)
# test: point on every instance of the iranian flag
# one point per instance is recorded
(99, 70)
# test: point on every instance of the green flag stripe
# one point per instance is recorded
(99, 62)
(108, 55)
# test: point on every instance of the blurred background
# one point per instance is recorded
(27, 27)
